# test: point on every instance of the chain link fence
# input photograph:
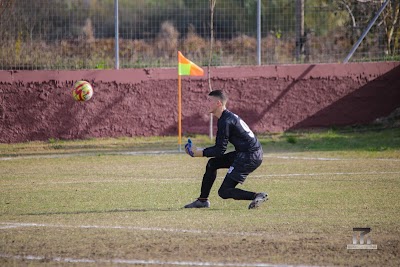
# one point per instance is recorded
(79, 34)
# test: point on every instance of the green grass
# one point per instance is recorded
(347, 142)
(371, 141)
(313, 206)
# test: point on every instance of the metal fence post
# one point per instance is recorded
(116, 34)
(259, 32)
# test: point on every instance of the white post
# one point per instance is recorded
(116, 46)
(259, 32)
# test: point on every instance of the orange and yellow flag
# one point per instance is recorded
(187, 67)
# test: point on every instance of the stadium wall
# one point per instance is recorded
(38, 105)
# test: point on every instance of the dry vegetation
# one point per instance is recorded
(88, 52)
(72, 35)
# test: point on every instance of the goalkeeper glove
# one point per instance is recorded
(188, 148)
(192, 150)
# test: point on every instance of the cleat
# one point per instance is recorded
(258, 199)
(198, 204)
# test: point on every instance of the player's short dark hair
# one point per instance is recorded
(219, 94)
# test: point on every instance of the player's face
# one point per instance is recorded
(214, 104)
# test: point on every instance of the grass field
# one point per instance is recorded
(119, 202)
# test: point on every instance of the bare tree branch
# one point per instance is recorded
(350, 13)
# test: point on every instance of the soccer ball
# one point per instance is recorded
(82, 91)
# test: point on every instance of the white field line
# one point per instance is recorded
(166, 152)
(145, 262)
(163, 180)
(323, 174)
(303, 158)
(328, 159)
(89, 154)
(8, 225)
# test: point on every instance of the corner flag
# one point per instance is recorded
(187, 67)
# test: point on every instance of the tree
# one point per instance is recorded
(391, 23)
(360, 13)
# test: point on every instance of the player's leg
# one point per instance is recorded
(243, 165)
(209, 177)
(210, 174)
(228, 190)
(256, 159)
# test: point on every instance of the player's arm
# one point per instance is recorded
(221, 142)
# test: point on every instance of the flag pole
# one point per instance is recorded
(185, 67)
(179, 113)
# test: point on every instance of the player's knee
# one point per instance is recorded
(224, 193)
(211, 164)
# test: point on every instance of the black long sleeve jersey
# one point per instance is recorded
(231, 128)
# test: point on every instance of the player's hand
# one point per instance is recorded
(188, 148)
(192, 150)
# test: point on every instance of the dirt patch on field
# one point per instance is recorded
(37, 105)
(308, 249)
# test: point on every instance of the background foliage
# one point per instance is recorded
(59, 34)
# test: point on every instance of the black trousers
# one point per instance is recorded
(240, 165)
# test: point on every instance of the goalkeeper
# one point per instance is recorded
(247, 157)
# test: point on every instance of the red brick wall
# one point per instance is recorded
(37, 105)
